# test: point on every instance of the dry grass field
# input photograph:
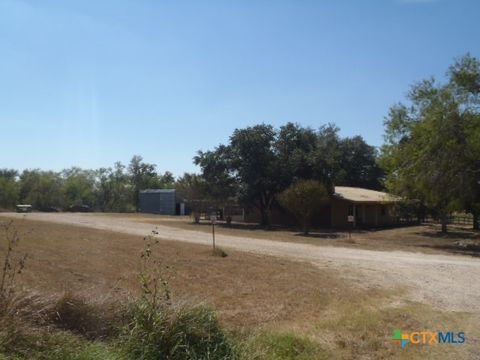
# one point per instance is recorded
(270, 303)
(247, 289)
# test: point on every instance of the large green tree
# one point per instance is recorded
(219, 182)
(357, 164)
(142, 176)
(465, 80)
(293, 147)
(247, 164)
(256, 167)
(325, 157)
(432, 143)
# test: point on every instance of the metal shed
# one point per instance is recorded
(161, 201)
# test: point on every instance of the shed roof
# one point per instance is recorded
(361, 195)
(156, 191)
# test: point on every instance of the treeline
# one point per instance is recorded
(258, 163)
(106, 189)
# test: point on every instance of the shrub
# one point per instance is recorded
(167, 333)
(302, 199)
(219, 252)
(92, 320)
(25, 333)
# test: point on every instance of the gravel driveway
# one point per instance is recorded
(447, 282)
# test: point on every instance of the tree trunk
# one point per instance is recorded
(475, 221)
(305, 221)
(265, 204)
(306, 229)
(444, 219)
(265, 221)
(196, 217)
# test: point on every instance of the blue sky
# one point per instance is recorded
(88, 83)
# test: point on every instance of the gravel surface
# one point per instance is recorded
(447, 282)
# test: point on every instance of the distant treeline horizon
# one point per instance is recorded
(116, 188)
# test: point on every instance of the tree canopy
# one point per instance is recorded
(260, 161)
(432, 149)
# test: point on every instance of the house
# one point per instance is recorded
(369, 208)
(162, 201)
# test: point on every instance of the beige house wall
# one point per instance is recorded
(335, 215)
(339, 213)
(368, 214)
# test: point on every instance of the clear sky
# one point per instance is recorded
(88, 83)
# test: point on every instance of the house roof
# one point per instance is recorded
(361, 195)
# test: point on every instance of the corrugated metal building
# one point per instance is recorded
(161, 201)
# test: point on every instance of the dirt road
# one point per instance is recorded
(445, 281)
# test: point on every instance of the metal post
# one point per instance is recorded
(213, 235)
(354, 215)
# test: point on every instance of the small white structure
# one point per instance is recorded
(23, 208)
